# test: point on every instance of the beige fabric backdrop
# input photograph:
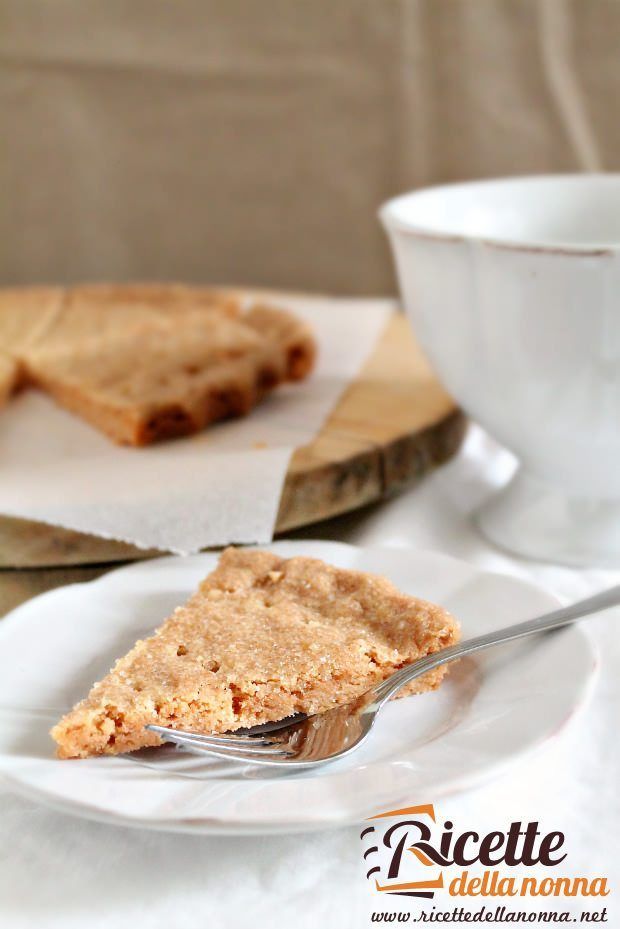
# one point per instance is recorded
(252, 140)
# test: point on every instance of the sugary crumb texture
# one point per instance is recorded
(261, 639)
(147, 362)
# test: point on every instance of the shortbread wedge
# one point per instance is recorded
(156, 378)
(262, 638)
(146, 362)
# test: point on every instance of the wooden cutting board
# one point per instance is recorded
(390, 427)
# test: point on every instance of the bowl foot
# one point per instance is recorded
(532, 518)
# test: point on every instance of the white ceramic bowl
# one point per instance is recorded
(513, 288)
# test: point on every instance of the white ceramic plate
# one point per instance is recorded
(490, 710)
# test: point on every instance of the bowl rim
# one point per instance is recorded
(392, 223)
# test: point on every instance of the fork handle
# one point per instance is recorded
(554, 620)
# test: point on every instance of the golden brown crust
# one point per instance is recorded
(261, 639)
(9, 377)
(145, 362)
(293, 335)
(158, 299)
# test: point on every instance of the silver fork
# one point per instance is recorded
(306, 741)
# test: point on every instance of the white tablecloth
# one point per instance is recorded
(56, 871)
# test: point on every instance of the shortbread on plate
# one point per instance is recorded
(262, 638)
(147, 362)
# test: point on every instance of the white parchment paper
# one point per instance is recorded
(222, 485)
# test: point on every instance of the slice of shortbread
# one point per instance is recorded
(263, 638)
(144, 362)
(154, 377)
